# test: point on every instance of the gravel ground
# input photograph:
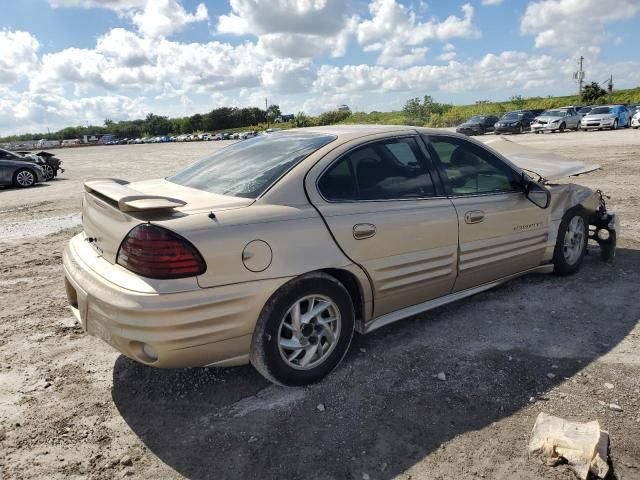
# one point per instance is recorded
(71, 407)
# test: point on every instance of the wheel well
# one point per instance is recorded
(352, 285)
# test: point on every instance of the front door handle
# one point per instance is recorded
(363, 230)
(474, 216)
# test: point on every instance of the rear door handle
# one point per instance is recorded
(363, 230)
(474, 216)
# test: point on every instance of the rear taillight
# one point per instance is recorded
(155, 252)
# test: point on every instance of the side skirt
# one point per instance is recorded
(438, 302)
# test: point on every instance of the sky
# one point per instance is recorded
(73, 62)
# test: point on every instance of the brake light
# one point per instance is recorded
(156, 252)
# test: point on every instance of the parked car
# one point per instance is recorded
(608, 116)
(19, 173)
(635, 121)
(515, 122)
(556, 119)
(49, 164)
(214, 266)
(584, 110)
(478, 125)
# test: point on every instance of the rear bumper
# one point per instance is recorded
(201, 327)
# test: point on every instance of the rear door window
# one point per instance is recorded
(384, 170)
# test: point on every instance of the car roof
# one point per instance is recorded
(353, 131)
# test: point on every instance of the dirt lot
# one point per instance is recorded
(71, 407)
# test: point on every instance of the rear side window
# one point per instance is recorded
(385, 170)
(471, 170)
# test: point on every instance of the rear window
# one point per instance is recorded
(248, 168)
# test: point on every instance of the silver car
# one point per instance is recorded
(557, 119)
(20, 174)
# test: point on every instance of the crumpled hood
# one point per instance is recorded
(546, 164)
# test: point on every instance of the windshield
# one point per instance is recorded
(476, 119)
(585, 110)
(512, 116)
(554, 113)
(600, 110)
(248, 168)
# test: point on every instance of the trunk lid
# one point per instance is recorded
(112, 207)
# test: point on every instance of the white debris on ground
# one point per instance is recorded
(582, 445)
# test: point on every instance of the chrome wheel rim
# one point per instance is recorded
(48, 172)
(309, 332)
(25, 178)
(574, 240)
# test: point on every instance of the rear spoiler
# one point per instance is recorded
(129, 199)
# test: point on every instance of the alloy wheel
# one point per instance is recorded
(574, 240)
(309, 332)
(48, 172)
(25, 178)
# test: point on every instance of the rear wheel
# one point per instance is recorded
(24, 178)
(304, 330)
(571, 244)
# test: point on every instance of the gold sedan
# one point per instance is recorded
(276, 249)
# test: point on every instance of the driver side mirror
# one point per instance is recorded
(537, 194)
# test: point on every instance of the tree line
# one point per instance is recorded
(223, 118)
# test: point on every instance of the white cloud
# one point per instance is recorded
(491, 2)
(292, 28)
(395, 31)
(573, 24)
(152, 18)
(448, 53)
(165, 17)
(19, 55)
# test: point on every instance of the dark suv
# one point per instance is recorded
(478, 125)
(515, 122)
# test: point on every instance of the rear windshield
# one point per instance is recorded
(248, 168)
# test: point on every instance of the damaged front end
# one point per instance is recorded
(603, 228)
(603, 224)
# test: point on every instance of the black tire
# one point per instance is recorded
(562, 127)
(615, 124)
(521, 129)
(266, 354)
(24, 178)
(562, 264)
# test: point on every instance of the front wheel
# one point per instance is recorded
(49, 172)
(571, 244)
(562, 127)
(304, 330)
(615, 125)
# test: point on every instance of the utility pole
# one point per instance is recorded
(579, 75)
(610, 87)
(266, 111)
